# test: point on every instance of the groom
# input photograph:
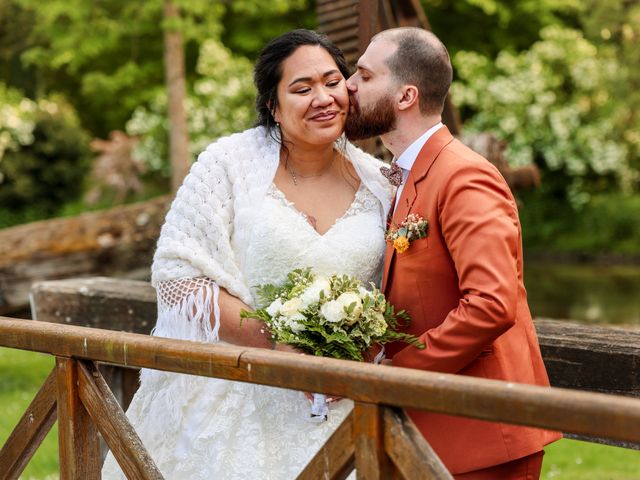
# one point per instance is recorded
(462, 282)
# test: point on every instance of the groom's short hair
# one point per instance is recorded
(421, 59)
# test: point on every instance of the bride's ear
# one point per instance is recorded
(274, 112)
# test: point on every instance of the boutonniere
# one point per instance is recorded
(413, 228)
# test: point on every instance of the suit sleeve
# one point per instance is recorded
(479, 223)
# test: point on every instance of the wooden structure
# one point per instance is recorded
(376, 438)
(350, 24)
(118, 242)
(576, 356)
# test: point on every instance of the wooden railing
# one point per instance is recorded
(376, 438)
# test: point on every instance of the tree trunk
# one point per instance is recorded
(176, 95)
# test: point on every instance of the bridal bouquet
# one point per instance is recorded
(333, 316)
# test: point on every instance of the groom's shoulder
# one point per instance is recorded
(457, 156)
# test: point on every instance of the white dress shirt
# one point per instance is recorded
(408, 157)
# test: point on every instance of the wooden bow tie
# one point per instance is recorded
(393, 174)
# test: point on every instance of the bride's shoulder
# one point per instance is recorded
(363, 159)
(368, 168)
(236, 154)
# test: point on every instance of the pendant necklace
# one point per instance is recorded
(295, 175)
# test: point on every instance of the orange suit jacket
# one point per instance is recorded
(462, 286)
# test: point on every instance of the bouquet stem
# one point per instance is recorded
(319, 408)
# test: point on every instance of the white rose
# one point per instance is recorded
(274, 308)
(291, 307)
(350, 298)
(333, 311)
(293, 322)
(312, 293)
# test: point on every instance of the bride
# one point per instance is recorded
(289, 193)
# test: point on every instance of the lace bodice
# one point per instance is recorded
(283, 239)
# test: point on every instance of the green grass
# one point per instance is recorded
(22, 374)
(574, 460)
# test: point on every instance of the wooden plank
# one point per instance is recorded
(594, 414)
(79, 449)
(100, 302)
(341, 24)
(30, 431)
(372, 462)
(589, 357)
(126, 446)
(335, 460)
(349, 10)
(367, 23)
(410, 452)
(330, 5)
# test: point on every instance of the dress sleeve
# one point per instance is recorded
(185, 308)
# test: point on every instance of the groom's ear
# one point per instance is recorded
(408, 97)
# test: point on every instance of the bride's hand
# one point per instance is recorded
(370, 355)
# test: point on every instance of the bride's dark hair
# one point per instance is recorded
(268, 70)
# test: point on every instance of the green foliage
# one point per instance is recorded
(608, 223)
(220, 103)
(552, 106)
(491, 26)
(45, 158)
(107, 56)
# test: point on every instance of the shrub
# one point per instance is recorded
(552, 106)
(45, 156)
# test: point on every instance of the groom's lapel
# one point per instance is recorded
(423, 163)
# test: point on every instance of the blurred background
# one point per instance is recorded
(88, 160)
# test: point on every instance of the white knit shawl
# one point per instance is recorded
(230, 178)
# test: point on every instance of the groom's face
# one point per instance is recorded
(372, 92)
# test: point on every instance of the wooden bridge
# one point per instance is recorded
(377, 439)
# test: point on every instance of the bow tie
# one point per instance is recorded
(393, 174)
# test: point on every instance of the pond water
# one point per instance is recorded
(586, 293)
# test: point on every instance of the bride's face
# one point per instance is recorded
(312, 98)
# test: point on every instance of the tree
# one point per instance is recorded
(176, 96)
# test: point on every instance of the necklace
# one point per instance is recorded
(295, 175)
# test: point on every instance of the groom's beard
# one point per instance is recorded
(375, 120)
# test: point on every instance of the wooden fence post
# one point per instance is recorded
(372, 462)
(77, 434)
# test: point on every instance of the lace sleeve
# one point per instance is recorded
(184, 309)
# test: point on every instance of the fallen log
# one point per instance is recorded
(118, 242)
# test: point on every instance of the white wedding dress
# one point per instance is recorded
(201, 428)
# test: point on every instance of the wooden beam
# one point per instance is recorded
(30, 431)
(99, 302)
(410, 452)
(122, 439)
(367, 22)
(335, 460)
(79, 448)
(372, 462)
(594, 414)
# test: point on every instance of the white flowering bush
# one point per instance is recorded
(552, 106)
(331, 316)
(17, 121)
(220, 102)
